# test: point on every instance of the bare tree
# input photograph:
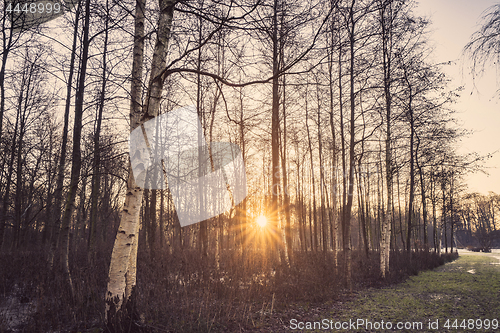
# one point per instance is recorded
(484, 46)
(122, 275)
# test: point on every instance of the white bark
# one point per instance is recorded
(123, 266)
(439, 235)
(385, 245)
(122, 276)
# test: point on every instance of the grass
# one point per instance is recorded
(468, 288)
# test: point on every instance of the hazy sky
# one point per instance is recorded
(453, 22)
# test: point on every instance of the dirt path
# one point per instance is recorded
(462, 296)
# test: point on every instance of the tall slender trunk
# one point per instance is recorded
(350, 189)
(412, 170)
(203, 236)
(422, 194)
(55, 225)
(309, 210)
(313, 180)
(443, 190)
(333, 219)
(274, 214)
(96, 174)
(81, 214)
(380, 203)
(286, 197)
(324, 226)
(122, 270)
(300, 204)
(342, 141)
(7, 43)
(76, 155)
(451, 213)
(370, 232)
(399, 212)
(388, 216)
(162, 223)
(28, 237)
(434, 212)
(243, 205)
(10, 171)
(18, 202)
(361, 209)
(153, 194)
(123, 264)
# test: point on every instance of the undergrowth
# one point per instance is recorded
(188, 292)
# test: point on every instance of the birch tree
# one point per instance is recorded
(122, 269)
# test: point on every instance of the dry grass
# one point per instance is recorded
(187, 293)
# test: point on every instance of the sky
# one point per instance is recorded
(478, 108)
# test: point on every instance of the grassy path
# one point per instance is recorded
(461, 296)
(468, 288)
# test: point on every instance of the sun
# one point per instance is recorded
(261, 221)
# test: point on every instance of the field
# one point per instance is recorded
(465, 289)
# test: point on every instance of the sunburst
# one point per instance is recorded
(261, 221)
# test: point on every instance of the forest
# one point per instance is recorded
(346, 126)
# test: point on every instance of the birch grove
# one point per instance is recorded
(335, 109)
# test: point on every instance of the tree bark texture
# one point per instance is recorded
(122, 271)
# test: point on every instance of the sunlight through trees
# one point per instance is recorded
(345, 126)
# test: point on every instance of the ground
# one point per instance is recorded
(461, 296)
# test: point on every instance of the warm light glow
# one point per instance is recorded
(261, 221)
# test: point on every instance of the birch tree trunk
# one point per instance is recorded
(412, 170)
(386, 19)
(122, 270)
(350, 185)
